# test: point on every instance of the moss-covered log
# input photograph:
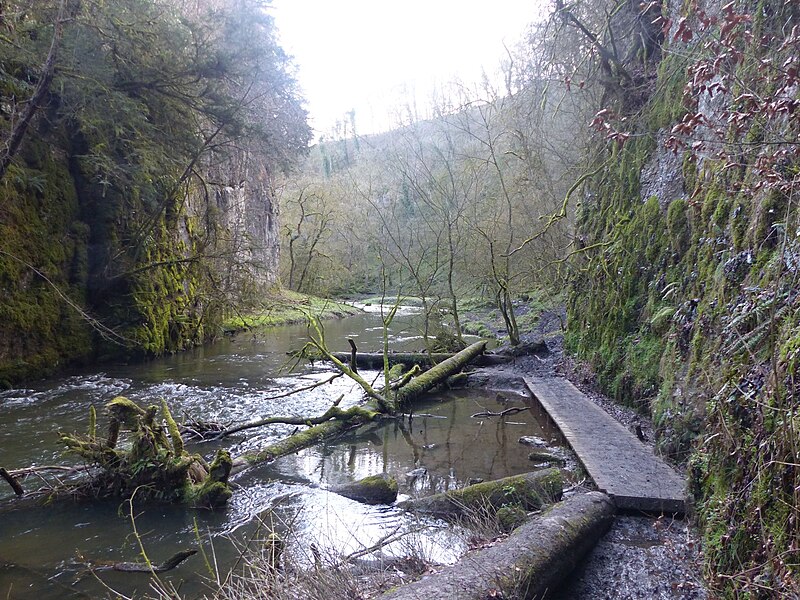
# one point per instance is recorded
(533, 560)
(374, 360)
(437, 374)
(294, 443)
(375, 489)
(365, 413)
(529, 490)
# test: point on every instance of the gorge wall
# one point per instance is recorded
(685, 297)
(70, 244)
(138, 210)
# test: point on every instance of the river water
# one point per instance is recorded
(43, 551)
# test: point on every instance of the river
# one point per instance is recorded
(43, 551)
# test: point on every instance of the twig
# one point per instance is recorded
(304, 389)
(12, 482)
(509, 411)
(334, 412)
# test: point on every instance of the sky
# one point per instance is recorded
(375, 56)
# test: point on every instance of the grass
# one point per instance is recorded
(282, 307)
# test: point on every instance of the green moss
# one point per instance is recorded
(285, 307)
(511, 517)
(688, 314)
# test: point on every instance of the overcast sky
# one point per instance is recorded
(375, 55)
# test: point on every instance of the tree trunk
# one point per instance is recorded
(374, 360)
(438, 374)
(529, 490)
(534, 559)
(329, 429)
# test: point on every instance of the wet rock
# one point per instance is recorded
(541, 456)
(474, 480)
(532, 440)
(376, 489)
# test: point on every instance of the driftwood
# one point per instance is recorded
(12, 482)
(438, 374)
(529, 490)
(333, 422)
(143, 567)
(333, 413)
(509, 411)
(533, 560)
(374, 360)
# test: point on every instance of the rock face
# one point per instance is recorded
(134, 218)
(703, 279)
(249, 212)
(160, 292)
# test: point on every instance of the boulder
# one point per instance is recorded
(375, 489)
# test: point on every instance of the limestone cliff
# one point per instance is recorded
(138, 209)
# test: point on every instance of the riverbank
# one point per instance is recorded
(641, 557)
(285, 307)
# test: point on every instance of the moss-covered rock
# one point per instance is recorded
(529, 491)
(375, 489)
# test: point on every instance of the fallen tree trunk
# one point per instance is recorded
(143, 567)
(374, 360)
(530, 490)
(296, 442)
(329, 429)
(438, 374)
(533, 560)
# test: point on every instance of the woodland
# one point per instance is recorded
(638, 162)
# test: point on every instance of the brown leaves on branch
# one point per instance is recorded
(754, 123)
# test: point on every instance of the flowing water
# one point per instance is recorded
(43, 550)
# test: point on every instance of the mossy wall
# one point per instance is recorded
(40, 229)
(153, 269)
(687, 306)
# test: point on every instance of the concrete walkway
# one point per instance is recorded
(620, 464)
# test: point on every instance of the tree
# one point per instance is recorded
(160, 127)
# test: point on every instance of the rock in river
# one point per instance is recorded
(376, 489)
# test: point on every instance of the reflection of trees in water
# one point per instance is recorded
(446, 442)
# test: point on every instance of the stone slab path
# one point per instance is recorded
(618, 462)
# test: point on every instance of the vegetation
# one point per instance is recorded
(682, 264)
(682, 296)
(152, 465)
(644, 157)
(281, 307)
(440, 209)
(135, 173)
